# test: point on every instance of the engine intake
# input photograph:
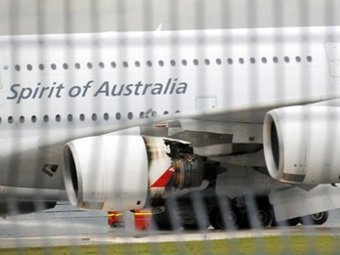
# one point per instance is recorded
(121, 172)
(301, 144)
(106, 172)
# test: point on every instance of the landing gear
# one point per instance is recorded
(225, 219)
(265, 216)
(312, 219)
(225, 213)
(285, 223)
(315, 219)
(235, 214)
(166, 220)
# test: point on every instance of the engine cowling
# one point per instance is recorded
(120, 172)
(302, 144)
(106, 172)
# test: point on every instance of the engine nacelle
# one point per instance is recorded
(302, 144)
(106, 172)
(116, 172)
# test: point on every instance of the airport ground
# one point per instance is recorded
(65, 225)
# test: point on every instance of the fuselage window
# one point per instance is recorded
(130, 115)
(94, 116)
(165, 113)
(241, 61)
(17, 67)
(252, 60)
(77, 65)
(34, 119)
(65, 66)
(106, 116)
(29, 67)
(286, 59)
(45, 118)
(161, 63)
(113, 64)
(207, 61)
(53, 66)
(172, 62)
(5, 67)
(264, 60)
(275, 60)
(118, 116)
(101, 65)
(137, 63)
(230, 61)
(298, 59)
(149, 63)
(218, 61)
(125, 64)
(58, 118)
(142, 115)
(309, 59)
(10, 119)
(69, 117)
(89, 65)
(82, 117)
(184, 62)
(195, 62)
(41, 67)
(22, 119)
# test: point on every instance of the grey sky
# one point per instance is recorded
(58, 16)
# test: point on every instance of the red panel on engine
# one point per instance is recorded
(164, 179)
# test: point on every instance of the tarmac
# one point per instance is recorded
(66, 226)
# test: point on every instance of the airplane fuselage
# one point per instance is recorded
(56, 88)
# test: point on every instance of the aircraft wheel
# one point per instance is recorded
(227, 219)
(166, 220)
(315, 219)
(214, 218)
(285, 223)
(265, 216)
(294, 221)
(230, 218)
(243, 220)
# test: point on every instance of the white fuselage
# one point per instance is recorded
(55, 88)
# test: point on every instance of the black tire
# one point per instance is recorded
(214, 218)
(191, 226)
(166, 220)
(243, 220)
(285, 223)
(230, 218)
(315, 219)
(227, 219)
(294, 221)
(265, 216)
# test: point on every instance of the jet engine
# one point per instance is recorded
(302, 144)
(121, 172)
